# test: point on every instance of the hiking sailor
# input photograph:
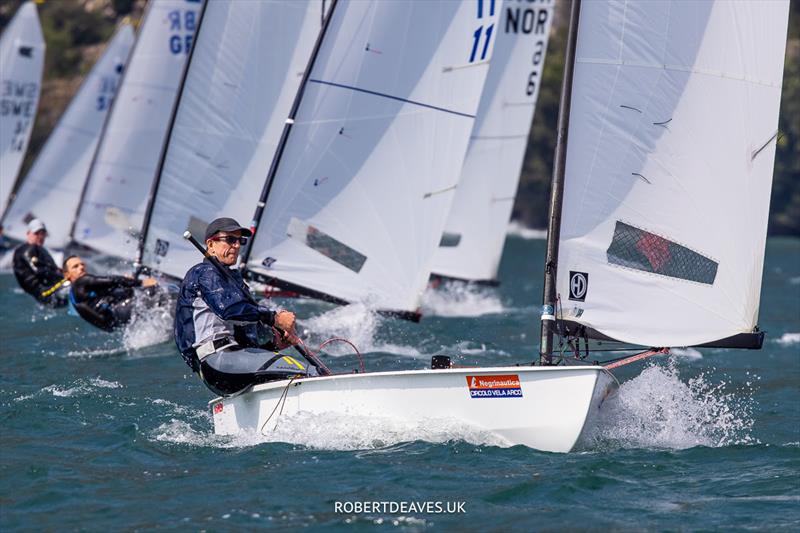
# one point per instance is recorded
(35, 270)
(103, 301)
(221, 332)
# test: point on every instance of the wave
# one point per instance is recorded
(787, 339)
(452, 299)
(518, 230)
(657, 409)
(81, 387)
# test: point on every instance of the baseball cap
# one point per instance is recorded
(36, 225)
(228, 225)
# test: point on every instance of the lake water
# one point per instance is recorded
(112, 432)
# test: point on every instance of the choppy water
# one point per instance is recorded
(108, 432)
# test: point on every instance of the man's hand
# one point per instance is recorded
(149, 282)
(284, 321)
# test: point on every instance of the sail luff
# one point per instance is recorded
(549, 300)
(162, 157)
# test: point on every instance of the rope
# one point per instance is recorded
(636, 357)
(281, 402)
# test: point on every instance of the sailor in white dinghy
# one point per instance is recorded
(221, 332)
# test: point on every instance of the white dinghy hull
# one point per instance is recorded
(546, 408)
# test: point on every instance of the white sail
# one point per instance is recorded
(473, 238)
(110, 216)
(52, 188)
(21, 64)
(669, 167)
(366, 178)
(241, 81)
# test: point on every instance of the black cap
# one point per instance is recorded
(227, 225)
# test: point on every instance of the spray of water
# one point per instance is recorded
(461, 299)
(359, 324)
(151, 322)
(659, 410)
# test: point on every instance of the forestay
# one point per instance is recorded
(669, 168)
(241, 81)
(472, 243)
(361, 193)
(110, 216)
(52, 188)
(21, 63)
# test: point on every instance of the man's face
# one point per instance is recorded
(225, 247)
(75, 269)
(37, 238)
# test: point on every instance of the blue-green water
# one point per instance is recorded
(112, 432)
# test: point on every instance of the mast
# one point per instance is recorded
(549, 299)
(273, 168)
(148, 212)
(85, 188)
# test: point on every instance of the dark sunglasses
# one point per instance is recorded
(231, 239)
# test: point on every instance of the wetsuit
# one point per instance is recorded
(225, 336)
(38, 275)
(104, 301)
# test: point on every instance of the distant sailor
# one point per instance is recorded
(219, 329)
(103, 301)
(35, 270)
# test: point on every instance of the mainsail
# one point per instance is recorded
(669, 162)
(242, 78)
(52, 188)
(472, 243)
(112, 209)
(21, 64)
(358, 198)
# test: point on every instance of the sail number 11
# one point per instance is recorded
(481, 35)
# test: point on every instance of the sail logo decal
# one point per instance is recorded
(503, 386)
(578, 285)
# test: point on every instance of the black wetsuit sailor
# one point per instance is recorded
(35, 270)
(103, 301)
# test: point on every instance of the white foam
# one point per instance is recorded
(518, 230)
(686, 353)
(333, 431)
(149, 325)
(659, 410)
(357, 323)
(80, 387)
(461, 299)
(795, 280)
(788, 339)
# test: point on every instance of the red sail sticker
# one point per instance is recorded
(217, 408)
(506, 386)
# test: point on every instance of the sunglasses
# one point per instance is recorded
(231, 240)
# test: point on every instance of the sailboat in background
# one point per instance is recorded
(110, 215)
(363, 178)
(663, 174)
(21, 63)
(52, 188)
(243, 74)
(472, 243)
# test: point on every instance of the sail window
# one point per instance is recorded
(449, 240)
(196, 226)
(323, 243)
(635, 248)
